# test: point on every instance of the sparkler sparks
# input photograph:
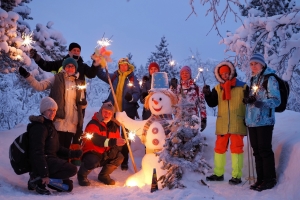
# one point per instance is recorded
(131, 135)
(172, 63)
(78, 87)
(104, 42)
(254, 88)
(27, 39)
(140, 82)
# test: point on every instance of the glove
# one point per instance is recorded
(249, 100)
(174, 83)
(145, 78)
(206, 90)
(203, 124)
(75, 153)
(259, 104)
(144, 94)
(33, 54)
(128, 96)
(23, 72)
(83, 102)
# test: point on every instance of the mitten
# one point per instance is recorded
(249, 100)
(203, 124)
(259, 104)
(145, 78)
(33, 54)
(206, 90)
(174, 83)
(23, 72)
(128, 96)
(75, 153)
(144, 94)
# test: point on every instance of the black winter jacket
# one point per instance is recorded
(83, 69)
(43, 144)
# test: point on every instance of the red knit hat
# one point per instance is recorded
(223, 69)
(153, 64)
(186, 68)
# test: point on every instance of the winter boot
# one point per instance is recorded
(104, 174)
(82, 176)
(124, 166)
(215, 178)
(267, 184)
(235, 181)
(237, 166)
(41, 188)
(256, 184)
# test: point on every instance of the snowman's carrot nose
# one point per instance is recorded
(155, 102)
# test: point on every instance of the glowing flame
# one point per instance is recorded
(27, 39)
(140, 82)
(104, 42)
(130, 84)
(131, 135)
(200, 69)
(172, 63)
(254, 88)
(87, 136)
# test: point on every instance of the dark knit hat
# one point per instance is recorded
(47, 103)
(153, 64)
(257, 57)
(186, 68)
(70, 61)
(74, 45)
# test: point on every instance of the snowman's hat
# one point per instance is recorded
(159, 81)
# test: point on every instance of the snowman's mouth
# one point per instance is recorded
(157, 109)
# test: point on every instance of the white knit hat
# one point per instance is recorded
(47, 103)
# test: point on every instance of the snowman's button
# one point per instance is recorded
(155, 130)
(155, 142)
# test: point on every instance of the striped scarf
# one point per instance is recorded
(162, 119)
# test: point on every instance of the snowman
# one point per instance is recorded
(152, 131)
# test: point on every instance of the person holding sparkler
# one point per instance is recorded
(228, 96)
(146, 86)
(127, 90)
(260, 119)
(64, 89)
(101, 146)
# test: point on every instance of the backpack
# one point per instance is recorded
(284, 90)
(19, 155)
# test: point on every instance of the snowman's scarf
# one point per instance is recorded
(162, 119)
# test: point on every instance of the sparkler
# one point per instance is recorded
(200, 71)
(87, 136)
(131, 135)
(254, 88)
(104, 42)
(27, 40)
(172, 63)
(140, 82)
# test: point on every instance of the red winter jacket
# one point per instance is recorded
(105, 131)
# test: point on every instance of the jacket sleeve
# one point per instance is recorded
(144, 89)
(212, 98)
(101, 74)
(90, 72)
(273, 94)
(202, 106)
(40, 85)
(49, 66)
(37, 137)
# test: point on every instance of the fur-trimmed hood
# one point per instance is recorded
(33, 118)
(231, 67)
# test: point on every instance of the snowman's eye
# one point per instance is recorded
(160, 99)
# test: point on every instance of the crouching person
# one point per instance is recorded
(43, 148)
(103, 148)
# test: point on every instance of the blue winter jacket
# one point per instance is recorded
(129, 107)
(265, 115)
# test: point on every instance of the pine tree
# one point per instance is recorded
(163, 58)
(267, 8)
(183, 149)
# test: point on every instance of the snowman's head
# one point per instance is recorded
(160, 102)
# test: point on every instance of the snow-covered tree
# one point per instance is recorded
(162, 57)
(266, 8)
(183, 149)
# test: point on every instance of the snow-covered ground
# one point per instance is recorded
(286, 146)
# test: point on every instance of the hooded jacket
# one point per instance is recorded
(231, 113)
(271, 99)
(129, 107)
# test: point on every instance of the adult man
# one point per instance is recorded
(103, 149)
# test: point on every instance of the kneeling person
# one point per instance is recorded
(103, 149)
(43, 149)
